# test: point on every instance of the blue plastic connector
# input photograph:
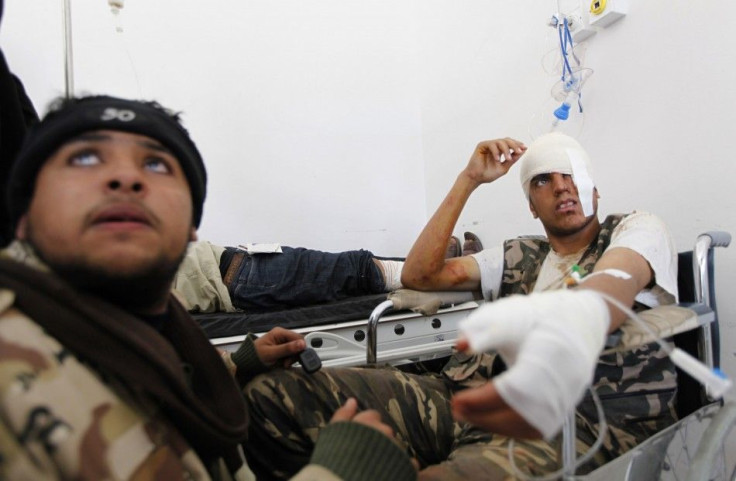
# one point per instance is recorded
(563, 111)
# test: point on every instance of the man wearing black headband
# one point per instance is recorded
(105, 375)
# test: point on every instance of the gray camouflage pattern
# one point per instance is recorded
(289, 407)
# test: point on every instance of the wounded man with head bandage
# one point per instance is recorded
(458, 425)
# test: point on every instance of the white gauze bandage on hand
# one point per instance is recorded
(550, 342)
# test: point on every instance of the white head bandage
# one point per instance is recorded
(556, 152)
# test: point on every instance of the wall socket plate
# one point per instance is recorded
(613, 11)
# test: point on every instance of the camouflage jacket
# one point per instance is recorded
(637, 385)
(66, 417)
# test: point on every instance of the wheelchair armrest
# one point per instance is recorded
(702, 255)
(661, 322)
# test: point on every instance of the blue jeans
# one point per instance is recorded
(299, 277)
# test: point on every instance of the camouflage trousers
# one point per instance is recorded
(288, 408)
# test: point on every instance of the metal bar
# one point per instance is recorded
(372, 339)
(68, 56)
(569, 438)
(702, 294)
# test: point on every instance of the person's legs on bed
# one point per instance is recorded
(299, 276)
(288, 408)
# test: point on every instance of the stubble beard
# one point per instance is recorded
(138, 289)
(559, 231)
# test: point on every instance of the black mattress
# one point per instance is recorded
(225, 324)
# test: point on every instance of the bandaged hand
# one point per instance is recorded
(550, 342)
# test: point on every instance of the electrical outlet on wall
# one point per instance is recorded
(604, 12)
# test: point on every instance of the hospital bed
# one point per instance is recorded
(339, 331)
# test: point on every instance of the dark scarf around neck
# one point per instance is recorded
(211, 414)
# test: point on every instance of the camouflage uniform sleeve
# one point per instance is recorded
(19, 457)
(246, 361)
(356, 452)
(15, 462)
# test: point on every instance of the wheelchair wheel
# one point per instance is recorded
(715, 458)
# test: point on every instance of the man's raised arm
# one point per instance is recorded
(426, 267)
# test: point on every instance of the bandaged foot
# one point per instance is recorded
(550, 342)
(391, 271)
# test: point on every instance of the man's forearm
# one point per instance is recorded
(426, 258)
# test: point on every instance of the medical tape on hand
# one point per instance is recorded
(582, 181)
(553, 355)
(617, 273)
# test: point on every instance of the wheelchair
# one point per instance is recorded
(700, 446)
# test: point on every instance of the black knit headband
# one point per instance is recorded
(103, 113)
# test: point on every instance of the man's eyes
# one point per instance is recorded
(545, 179)
(88, 158)
(158, 165)
(84, 158)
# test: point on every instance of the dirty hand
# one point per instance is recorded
(493, 159)
(279, 346)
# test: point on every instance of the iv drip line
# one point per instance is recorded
(68, 57)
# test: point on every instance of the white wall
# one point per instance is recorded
(307, 113)
(659, 115)
(341, 124)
